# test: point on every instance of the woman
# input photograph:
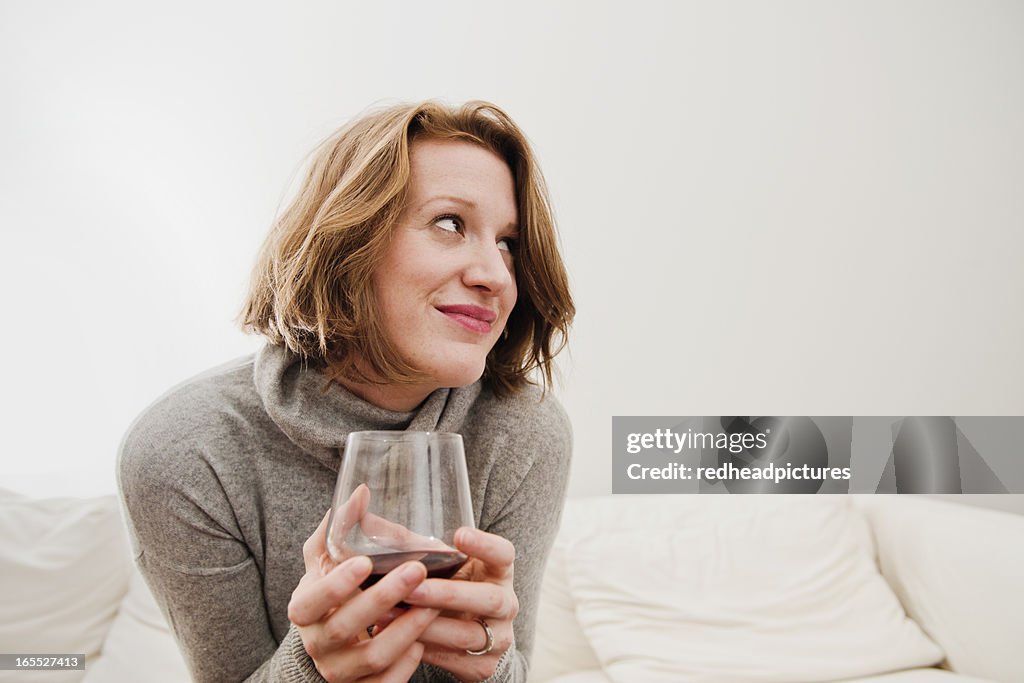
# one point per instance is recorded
(413, 283)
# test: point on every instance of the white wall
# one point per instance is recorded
(766, 208)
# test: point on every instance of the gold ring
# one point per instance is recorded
(490, 639)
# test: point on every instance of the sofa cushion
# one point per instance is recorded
(971, 557)
(68, 561)
(738, 588)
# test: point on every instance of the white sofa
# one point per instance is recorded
(843, 562)
(69, 586)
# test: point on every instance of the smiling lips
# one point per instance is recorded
(474, 318)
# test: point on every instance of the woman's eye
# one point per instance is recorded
(508, 244)
(448, 223)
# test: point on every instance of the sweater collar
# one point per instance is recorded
(317, 415)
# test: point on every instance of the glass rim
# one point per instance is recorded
(404, 435)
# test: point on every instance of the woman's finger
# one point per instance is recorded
(387, 618)
(463, 634)
(312, 600)
(474, 597)
(372, 604)
(349, 513)
(403, 669)
(402, 632)
(464, 667)
(316, 545)
(497, 554)
(378, 656)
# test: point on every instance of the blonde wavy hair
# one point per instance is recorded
(310, 288)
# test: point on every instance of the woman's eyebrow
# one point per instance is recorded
(469, 203)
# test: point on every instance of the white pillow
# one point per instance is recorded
(958, 571)
(140, 646)
(691, 589)
(559, 647)
(64, 563)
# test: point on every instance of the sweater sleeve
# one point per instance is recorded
(189, 549)
(523, 503)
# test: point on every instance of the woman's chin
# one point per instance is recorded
(459, 375)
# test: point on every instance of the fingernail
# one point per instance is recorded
(466, 535)
(418, 593)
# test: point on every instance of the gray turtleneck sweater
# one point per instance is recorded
(225, 477)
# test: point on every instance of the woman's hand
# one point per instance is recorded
(332, 616)
(484, 592)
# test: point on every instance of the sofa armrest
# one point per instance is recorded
(957, 570)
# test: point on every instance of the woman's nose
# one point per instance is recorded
(488, 267)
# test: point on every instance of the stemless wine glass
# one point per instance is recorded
(400, 496)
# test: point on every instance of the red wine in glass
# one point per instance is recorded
(439, 564)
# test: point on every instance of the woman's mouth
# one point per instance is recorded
(473, 318)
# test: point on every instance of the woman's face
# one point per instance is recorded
(447, 284)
